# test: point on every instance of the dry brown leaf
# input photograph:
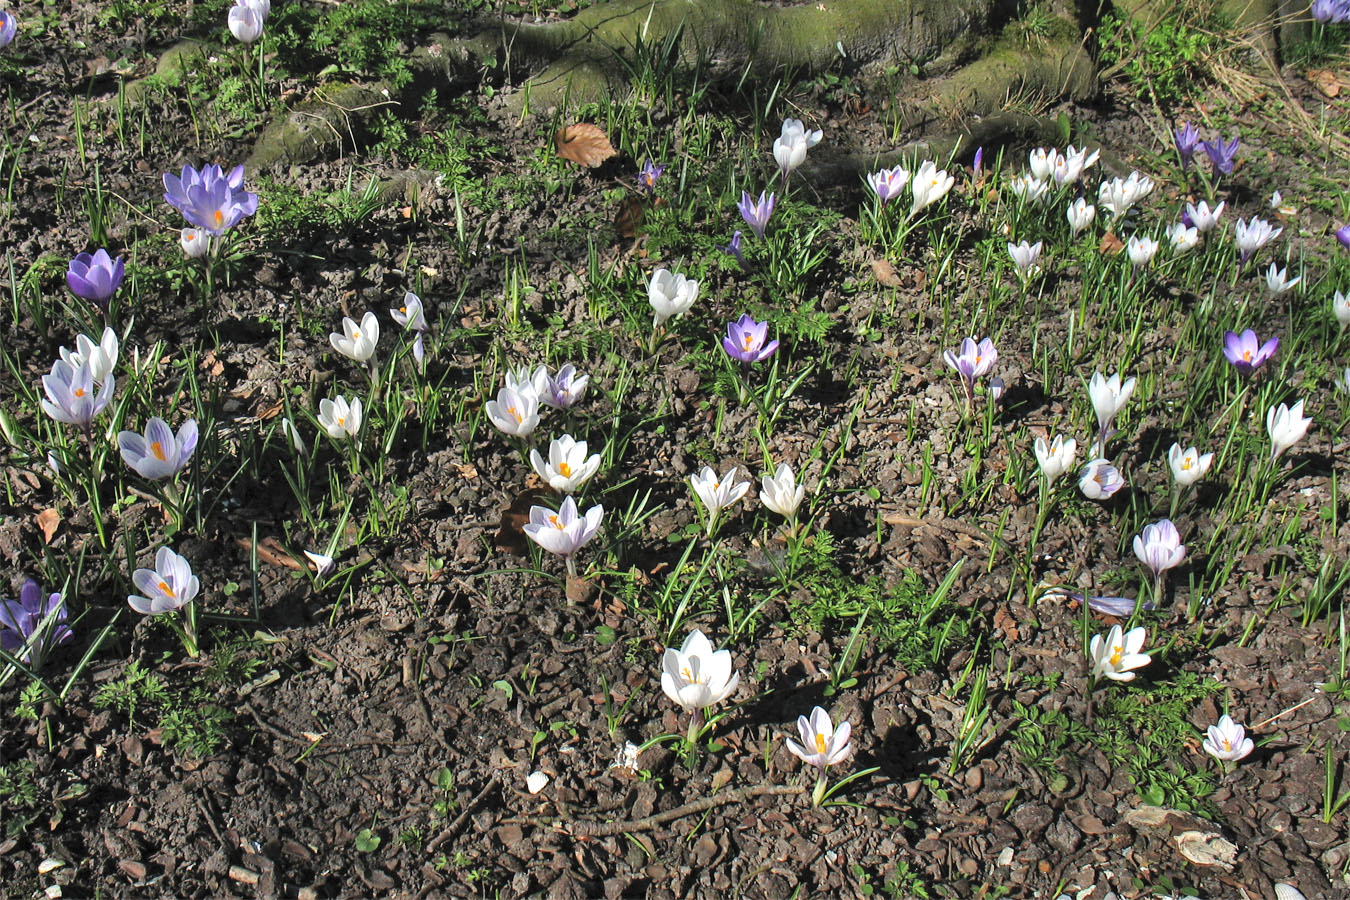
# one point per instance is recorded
(1110, 245)
(511, 535)
(1326, 81)
(48, 520)
(584, 144)
(1004, 619)
(884, 273)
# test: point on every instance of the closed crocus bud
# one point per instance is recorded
(1080, 214)
(780, 492)
(1287, 426)
(670, 294)
(1340, 307)
(245, 23)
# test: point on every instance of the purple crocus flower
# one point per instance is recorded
(734, 248)
(1186, 137)
(888, 183)
(1221, 154)
(9, 26)
(745, 340)
(1246, 352)
(1331, 12)
(210, 199)
(646, 178)
(22, 634)
(756, 213)
(978, 163)
(1343, 235)
(94, 277)
(974, 361)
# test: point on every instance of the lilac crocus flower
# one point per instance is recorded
(1246, 352)
(1159, 547)
(9, 26)
(745, 340)
(560, 391)
(210, 199)
(974, 361)
(70, 394)
(646, 178)
(888, 183)
(1343, 235)
(756, 213)
(978, 164)
(22, 631)
(158, 453)
(1221, 154)
(95, 277)
(1186, 137)
(1100, 480)
(734, 248)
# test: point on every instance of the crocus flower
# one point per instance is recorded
(781, 493)
(1228, 741)
(1328, 12)
(1202, 217)
(756, 212)
(1030, 189)
(1115, 656)
(290, 431)
(889, 183)
(1182, 239)
(1340, 308)
(734, 248)
(158, 453)
(9, 26)
(1141, 250)
(1109, 396)
(1159, 547)
(1252, 236)
(1343, 235)
(1119, 194)
(26, 633)
(1042, 162)
(244, 22)
(973, 362)
(410, 315)
(1221, 155)
(101, 357)
(822, 746)
(1286, 426)
(567, 467)
(357, 342)
(1100, 480)
(195, 242)
(1055, 458)
(1187, 137)
(324, 565)
(1024, 256)
(94, 277)
(210, 199)
(977, 164)
(168, 587)
(514, 413)
(670, 294)
(560, 391)
(70, 394)
(524, 380)
(789, 148)
(1080, 215)
(716, 494)
(1069, 165)
(646, 178)
(565, 532)
(745, 340)
(342, 420)
(1246, 352)
(1278, 281)
(695, 676)
(930, 184)
(1189, 465)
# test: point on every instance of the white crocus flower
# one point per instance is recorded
(102, 357)
(1141, 250)
(1055, 458)
(1181, 238)
(695, 676)
(342, 420)
(357, 342)
(1109, 396)
(196, 242)
(1252, 236)
(1118, 653)
(1228, 741)
(1340, 308)
(781, 493)
(1030, 189)
(514, 412)
(1278, 281)
(567, 467)
(168, 587)
(1080, 214)
(1043, 161)
(1202, 217)
(1069, 165)
(1188, 465)
(1286, 426)
(565, 532)
(1024, 256)
(715, 493)
(670, 294)
(789, 148)
(930, 185)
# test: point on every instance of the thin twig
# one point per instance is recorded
(591, 828)
(454, 827)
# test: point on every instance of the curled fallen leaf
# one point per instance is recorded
(1326, 81)
(511, 535)
(1110, 245)
(884, 273)
(48, 520)
(584, 144)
